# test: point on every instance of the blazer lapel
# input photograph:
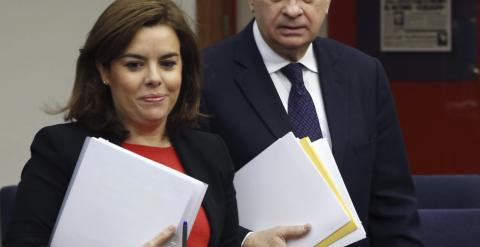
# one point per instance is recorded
(335, 96)
(257, 86)
(188, 161)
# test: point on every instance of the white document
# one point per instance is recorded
(118, 198)
(281, 186)
(323, 150)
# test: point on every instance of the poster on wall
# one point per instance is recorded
(415, 25)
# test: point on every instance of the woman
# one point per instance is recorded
(137, 85)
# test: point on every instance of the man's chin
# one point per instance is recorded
(292, 42)
(293, 45)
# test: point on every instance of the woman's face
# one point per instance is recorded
(145, 80)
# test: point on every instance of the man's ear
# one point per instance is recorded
(328, 6)
(251, 5)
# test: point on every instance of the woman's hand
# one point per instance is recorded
(277, 236)
(161, 238)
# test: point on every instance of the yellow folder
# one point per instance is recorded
(350, 226)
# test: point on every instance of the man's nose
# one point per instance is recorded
(292, 8)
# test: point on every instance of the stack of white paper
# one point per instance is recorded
(288, 184)
(118, 198)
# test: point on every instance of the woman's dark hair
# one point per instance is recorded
(91, 101)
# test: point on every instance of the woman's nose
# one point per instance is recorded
(153, 77)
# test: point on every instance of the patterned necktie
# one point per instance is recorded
(301, 110)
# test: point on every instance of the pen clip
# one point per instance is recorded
(184, 233)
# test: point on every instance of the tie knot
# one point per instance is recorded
(294, 73)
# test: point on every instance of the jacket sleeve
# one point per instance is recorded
(393, 213)
(231, 235)
(43, 184)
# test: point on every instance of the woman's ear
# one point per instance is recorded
(104, 75)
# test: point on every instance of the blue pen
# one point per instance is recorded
(184, 234)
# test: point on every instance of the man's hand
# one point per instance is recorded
(276, 237)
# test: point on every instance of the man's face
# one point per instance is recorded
(289, 26)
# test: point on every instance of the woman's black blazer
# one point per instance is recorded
(54, 153)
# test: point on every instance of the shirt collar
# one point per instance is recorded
(275, 62)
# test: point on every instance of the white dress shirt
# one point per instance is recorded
(275, 63)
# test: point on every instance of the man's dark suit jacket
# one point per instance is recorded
(55, 151)
(246, 111)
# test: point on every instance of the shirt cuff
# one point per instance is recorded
(246, 236)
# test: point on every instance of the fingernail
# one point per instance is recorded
(308, 227)
(171, 228)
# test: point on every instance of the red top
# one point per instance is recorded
(200, 234)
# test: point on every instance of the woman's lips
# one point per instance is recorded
(153, 98)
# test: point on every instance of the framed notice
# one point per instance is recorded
(411, 52)
(415, 25)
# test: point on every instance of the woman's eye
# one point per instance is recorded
(168, 64)
(133, 66)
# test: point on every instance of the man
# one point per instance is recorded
(252, 98)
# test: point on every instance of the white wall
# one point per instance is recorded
(39, 42)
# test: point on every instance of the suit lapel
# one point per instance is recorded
(257, 86)
(335, 96)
